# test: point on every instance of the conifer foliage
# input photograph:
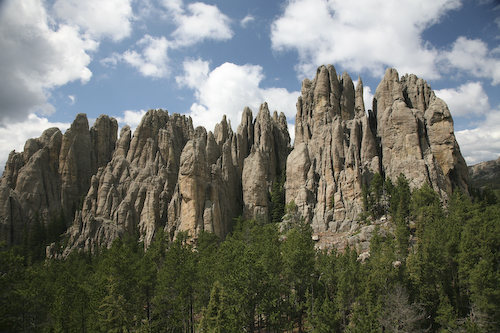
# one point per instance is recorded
(438, 271)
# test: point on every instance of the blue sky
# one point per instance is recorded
(206, 59)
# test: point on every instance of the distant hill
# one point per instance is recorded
(485, 174)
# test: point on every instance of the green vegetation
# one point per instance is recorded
(277, 197)
(438, 273)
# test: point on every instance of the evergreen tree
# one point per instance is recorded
(479, 269)
(348, 277)
(298, 270)
(113, 316)
(12, 277)
(173, 303)
(400, 211)
(219, 316)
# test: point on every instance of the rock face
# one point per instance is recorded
(168, 175)
(51, 175)
(265, 163)
(338, 147)
(172, 176)
(485, 174)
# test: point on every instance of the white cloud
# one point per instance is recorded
(202, 22)
(151, 60)
(467, 100)
(131, 118)
(193, 23)
(227, 89)
(360, 35)
(37, 55)
(112, 60)
(473, 57)
(110, 18)
(367, 97)
(173, 6)
(281, 100)
(195, 71)
(247, 20)
(291, 131)
(72, 99)
(14, 135)
(481, 143)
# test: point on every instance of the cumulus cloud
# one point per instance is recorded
(37, 56)
(150, 57)
(361, 35)
(467, 100)
(193, 23)
(228, 88)
(197, 23)
(473, 57)
(370, 35)
(131, 117)
(152, 61)
(195, 71)
(481, 143)
(175, 7)
(110, 18)
(247, 20)
(14, 135)
(367, 97)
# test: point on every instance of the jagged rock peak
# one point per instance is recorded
(338, 147)
(265, 163)
(103, 136)
(50, 177)
(170, 175)
(324, 99)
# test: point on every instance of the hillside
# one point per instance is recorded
(485, 174)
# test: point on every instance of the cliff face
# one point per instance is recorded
(170, 175)
(338, 147)
(52, 174)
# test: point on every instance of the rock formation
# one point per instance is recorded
(51, 175)
(170, 175)
(338, 147)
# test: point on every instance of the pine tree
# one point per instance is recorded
(218, 316)
(298, 269)
(113, 316)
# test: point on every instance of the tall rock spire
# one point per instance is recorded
(168, 175)
(410, 131)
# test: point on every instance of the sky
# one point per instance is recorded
(207, 59)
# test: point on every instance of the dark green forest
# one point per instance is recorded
(438, 271)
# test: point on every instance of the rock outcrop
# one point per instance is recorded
(339, 147)
(168, 175)
(172, 176)
(51, 175)
(265, 162)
